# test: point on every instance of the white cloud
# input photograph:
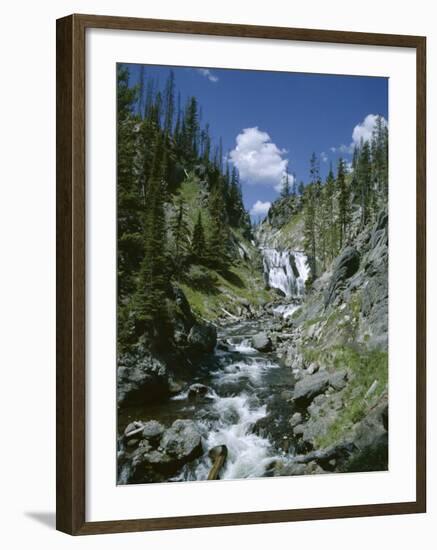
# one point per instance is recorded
(324, 156)
(364, 130)
(260, 208)
(208, 74)
(258, 159)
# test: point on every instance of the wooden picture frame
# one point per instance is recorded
(71, 246)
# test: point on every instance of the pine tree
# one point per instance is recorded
(198, 244)
(314, 169)
(343, 202)
(285, 189)
(206, 144)
(217, 247)
(310, 228)
(364, 179)
(331, 214)
(191, 126)
(129, 199)
(169, 103)
(149, 303)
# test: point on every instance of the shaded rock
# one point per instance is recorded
(223, 346)
(182, 441)
(141, 380)
(347, 264)
(153, 430)
(196, 391)
(175, 386)
(309, 387)
(202, 338)
(261, 342)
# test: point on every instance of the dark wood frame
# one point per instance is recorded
(70, 298)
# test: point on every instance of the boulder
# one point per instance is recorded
(175, 386)
(313, 368)
(202, 338)
(150, 465)
(141, 380)
(371, 432)
(261, 342)
(153, 430)
(309, 387)
(338, 380)
(295, 419)
(197, 391)
(182, 441)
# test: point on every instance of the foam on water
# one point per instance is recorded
(237, 370)
(248, 453)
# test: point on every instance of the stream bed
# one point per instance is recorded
(241, 408)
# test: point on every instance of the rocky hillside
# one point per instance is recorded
(335, 343)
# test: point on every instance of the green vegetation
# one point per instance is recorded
(328, 207)
(365, 367)
(180, 211)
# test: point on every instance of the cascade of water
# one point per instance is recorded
(286, 270)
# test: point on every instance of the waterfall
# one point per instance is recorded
(286, 270)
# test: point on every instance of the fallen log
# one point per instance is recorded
(218, 456)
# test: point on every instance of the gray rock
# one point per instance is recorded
(313, 368)
(346, 265)
(153, 430)
(197, 391)
(182, 441)
(338, 380)
(371, 432)
(298, 430)
(203, 338)
(261, 342)
(141, 380)
(133, 428)
(309, 387)
(295, 419)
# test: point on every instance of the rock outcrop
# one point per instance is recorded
(202, 338)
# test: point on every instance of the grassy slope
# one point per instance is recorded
(242, 283)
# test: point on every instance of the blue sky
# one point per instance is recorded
(279, 119)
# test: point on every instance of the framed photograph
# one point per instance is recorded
(240, 274)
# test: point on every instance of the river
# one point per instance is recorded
(244, 407)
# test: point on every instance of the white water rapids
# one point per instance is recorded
(234, 409)
(242, 387)
(286, 270)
